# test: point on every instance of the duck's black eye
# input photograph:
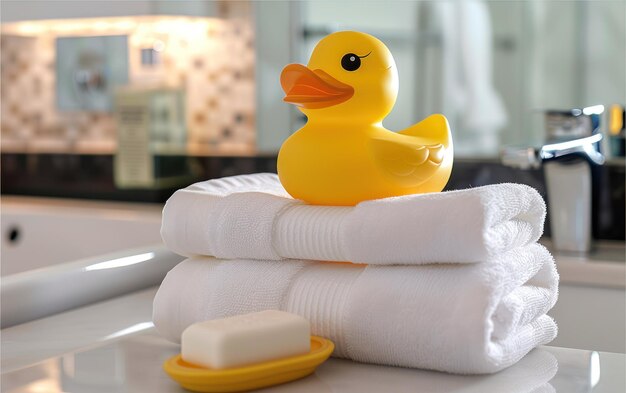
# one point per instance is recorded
(350, 62)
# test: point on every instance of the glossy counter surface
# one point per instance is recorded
(133, 364)
(112, 347)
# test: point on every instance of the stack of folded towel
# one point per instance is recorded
(450, 281)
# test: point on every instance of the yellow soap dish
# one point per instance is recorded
(256, 376)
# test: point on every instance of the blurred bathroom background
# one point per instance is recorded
(130, 100)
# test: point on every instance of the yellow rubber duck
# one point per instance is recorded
(343, 155)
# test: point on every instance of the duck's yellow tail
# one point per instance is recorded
(434, 127)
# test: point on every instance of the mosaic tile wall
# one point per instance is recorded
(212, 60)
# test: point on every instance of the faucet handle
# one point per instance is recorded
(584, 147)
(520, 157)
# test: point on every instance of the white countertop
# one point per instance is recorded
(133, 364)
(604, 266)
(112, 347)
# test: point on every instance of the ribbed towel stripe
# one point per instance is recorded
(312, 232)
(321, 298)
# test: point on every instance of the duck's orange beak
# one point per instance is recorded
(312, 89)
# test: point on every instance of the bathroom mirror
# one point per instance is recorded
(492, 67)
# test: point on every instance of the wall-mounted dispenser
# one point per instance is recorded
(150, 122)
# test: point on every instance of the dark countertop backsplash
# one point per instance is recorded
(91, 177)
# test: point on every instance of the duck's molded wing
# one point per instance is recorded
(414, 155)
(407, 164)
(433, 130)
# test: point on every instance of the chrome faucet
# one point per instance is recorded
(574, 145)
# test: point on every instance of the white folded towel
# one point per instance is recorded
(252, 216)
(460, 318)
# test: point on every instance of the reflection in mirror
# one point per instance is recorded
(491, 67)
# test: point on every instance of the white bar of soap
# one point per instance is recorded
(246, 339)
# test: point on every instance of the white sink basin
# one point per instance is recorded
(62, 254)
(40, 232)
